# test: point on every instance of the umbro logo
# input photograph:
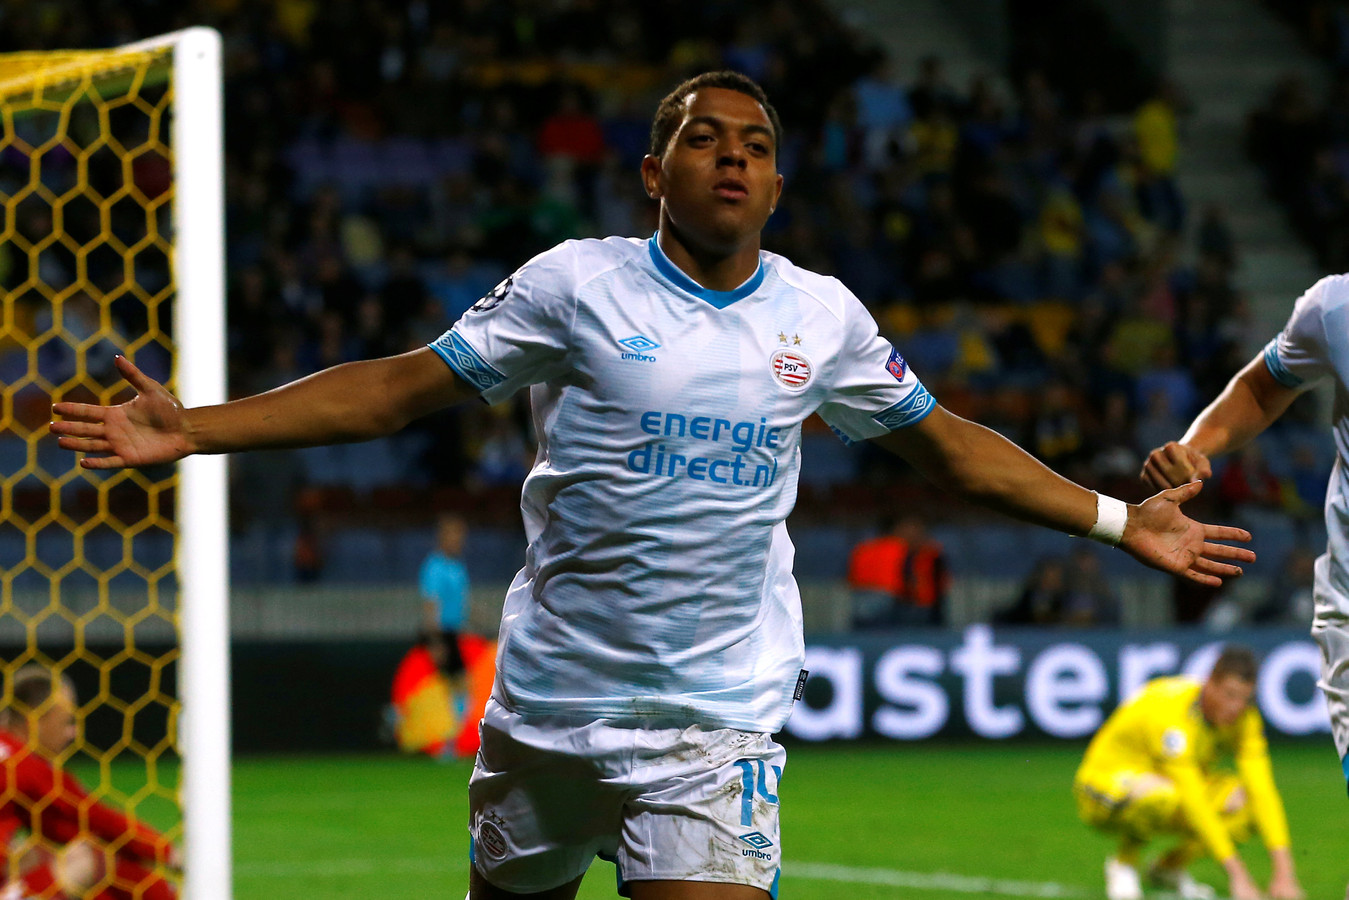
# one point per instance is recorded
(637, 347)
(760, 842)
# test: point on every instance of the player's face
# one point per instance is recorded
(1224, 699)
(56, 727)
(717, 180)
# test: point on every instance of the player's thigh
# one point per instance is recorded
(694, 890)
(479, 888)
(542, 802)
(706, 812)
(1331, 634)
(1138, 804)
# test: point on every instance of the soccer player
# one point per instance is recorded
(79, 848)
(1312, 347)
(1150, 772)
(652, 645)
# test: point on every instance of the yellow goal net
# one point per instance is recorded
(110, 244)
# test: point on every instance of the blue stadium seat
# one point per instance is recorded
(822, 551)
(357, 556)
(826, 460)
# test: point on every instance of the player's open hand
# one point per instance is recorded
(1174, 464)
(1159, 535)
(149, 428)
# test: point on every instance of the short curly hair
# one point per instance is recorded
(670, 112)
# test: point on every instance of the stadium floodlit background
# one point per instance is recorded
(995, 180)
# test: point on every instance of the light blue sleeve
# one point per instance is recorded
(872, 390)
(1303, 352)
(520, 333)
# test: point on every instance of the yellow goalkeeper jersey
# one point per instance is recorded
(1162, 730)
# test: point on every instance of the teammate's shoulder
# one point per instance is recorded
(1331, 292)
(827, 290)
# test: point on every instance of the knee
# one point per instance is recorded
(1235, 802)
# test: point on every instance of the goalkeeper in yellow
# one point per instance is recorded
(1151, 772)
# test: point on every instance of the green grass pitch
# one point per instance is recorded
(932, 822)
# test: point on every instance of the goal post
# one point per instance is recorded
(111, 171)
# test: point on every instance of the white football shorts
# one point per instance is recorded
(549, 794)
(1330, 630)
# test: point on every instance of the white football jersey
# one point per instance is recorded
(657, 584)
(1314, 345)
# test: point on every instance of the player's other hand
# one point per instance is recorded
(1174, 464)
(149, 428)
(1159, 535)
(1240, 885)
(1285, 887)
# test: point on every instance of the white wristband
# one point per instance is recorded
(1111, 516)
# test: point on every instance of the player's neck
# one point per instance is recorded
(714, 270)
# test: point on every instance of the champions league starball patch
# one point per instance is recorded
(791, 369)
(896, 365)
(494, 296)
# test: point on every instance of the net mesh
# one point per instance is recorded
(87, 561)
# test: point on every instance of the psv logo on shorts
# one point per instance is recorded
(791, 369)
(491, 840)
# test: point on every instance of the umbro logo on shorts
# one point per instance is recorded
(756, 839)
(760, 842)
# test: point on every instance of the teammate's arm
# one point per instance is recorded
(1257, 776)
(355, 401)
(1204, 821)
(1250, 403)
(982, 466)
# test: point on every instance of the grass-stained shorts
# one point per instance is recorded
(548, 795)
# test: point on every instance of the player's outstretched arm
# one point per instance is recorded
(983, 467)
(351, 402)
(1248, 405)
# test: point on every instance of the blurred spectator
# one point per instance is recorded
(1157, 127)
(1043, 596)
(1289, 600)
(883, 114)
(1247, 481)
(307, 554)
(899, 578)
(1056, 431)
(875, 576)
(1089, 599)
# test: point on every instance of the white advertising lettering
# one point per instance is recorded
(915, 707)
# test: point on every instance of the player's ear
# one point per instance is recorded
(651, 169)
(777, 195)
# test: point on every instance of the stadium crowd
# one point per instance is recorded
(1025, 250)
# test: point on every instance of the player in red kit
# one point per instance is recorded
(76, 848)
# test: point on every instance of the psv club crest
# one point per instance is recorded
(791, 369)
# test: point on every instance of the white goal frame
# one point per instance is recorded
(202, 500)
